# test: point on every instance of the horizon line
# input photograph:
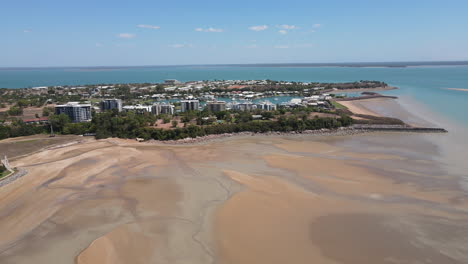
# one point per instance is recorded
(292, 64)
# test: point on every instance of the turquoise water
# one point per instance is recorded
(423, 84)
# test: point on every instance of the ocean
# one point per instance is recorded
(426, 85)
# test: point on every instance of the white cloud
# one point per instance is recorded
(287, 27)
(316, 25)
(178, 46)
(210, 29)
(27, 31)
(253, 46)
(214, 30)
(258, 28)
(126, 35)
(281, 47)
(148, 26)
(284, 32)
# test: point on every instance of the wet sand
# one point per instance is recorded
(358, 90)
(457, 89)
(385, 107)
(370, 198)
(359, 106)
(19, 146)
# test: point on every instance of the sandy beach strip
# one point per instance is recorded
(359, 106)
(457, 89)
(359, 90)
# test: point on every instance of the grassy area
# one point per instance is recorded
(94, 100)
(24, 145)
(4, 173)
(338, 105)
(27, 141)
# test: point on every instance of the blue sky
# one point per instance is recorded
(111, 33)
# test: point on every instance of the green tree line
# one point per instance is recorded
(131, 125)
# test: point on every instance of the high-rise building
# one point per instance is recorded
(189, 105)
(76, 111)
(245, 106)
(109, 104)
(216, 106)
(267, 105)
(157, 109)
(139, 109)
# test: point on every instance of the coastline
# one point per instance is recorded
(387, 88)
(164, 197)
(457, 89)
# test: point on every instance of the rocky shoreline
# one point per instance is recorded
(13, 177)
(344, 131)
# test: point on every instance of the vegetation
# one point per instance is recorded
(338, 105)
(377, 120)
(18, 128)
(132, 125)
(3, 171)
(15, 111)
(129, 125)
(195, 123)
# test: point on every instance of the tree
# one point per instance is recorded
(46, 111)
(267, 115)
(4, 132)
(23, 103)
(15, 111)
(59, 122)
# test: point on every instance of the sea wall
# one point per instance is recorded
(402, 128)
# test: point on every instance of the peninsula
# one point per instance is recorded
(174, 110)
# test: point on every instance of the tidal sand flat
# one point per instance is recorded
(457, 89)
(369, 198)
(387, 107)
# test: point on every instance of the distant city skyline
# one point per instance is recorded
(56, 33)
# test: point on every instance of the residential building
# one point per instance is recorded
(41, 120)
(139, 109)
(208, 97)
(267, 106)
(76, 111)
(171, 82)
(245, 106)
(109, 104)
(167, 109)
(164, 108)
(216, 106)
(189, 105)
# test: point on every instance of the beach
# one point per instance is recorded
(457, 89)
(359, 90)
(242, 199)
